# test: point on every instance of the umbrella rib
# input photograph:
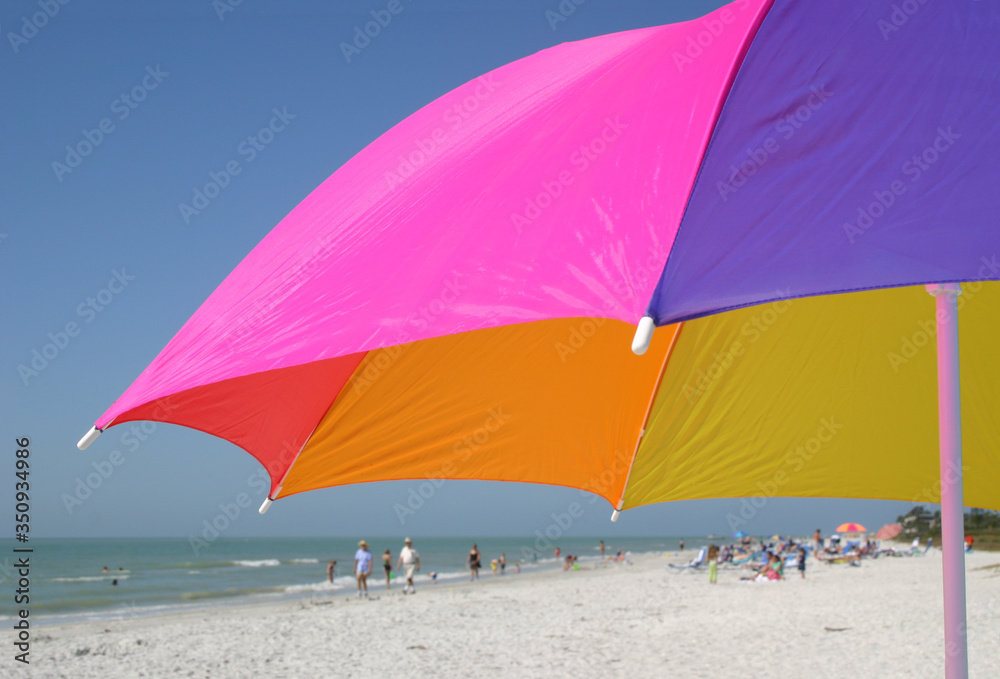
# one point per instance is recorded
(277, 489)
(645, 420)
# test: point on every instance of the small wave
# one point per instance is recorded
(85, 603)
(218, 594)
(303, 561)
(323, 586)
(93, 578)
(258, 563)
(194, 572)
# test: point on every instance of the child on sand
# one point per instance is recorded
(473, 562)
(713, 564)
(387, 567)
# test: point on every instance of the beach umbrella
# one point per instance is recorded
(888, 531)
(851, 528)
(453, 301)
(740, 534)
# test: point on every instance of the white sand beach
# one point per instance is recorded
(880, 620)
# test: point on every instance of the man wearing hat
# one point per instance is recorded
(410, 560)
(362, 566)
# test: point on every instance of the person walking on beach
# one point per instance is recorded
(409, 560)
(503, 563)
(474, 563)
(602, 552)
(802, 562)
(362, 566)
(681, 543)
(387, 567)
(330, 567)
(713, 564)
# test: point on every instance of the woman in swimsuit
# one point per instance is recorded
(387, 567)
(474, 563)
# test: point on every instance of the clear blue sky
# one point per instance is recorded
(196, 86)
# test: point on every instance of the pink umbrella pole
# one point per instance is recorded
(952, 510)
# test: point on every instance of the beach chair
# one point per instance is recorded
(696, 562)
(744, 559)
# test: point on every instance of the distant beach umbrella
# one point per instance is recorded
(851, 528)
(454, 301)
(888, 531)
(740, 534)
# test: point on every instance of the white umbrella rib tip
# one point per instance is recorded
(643, 335)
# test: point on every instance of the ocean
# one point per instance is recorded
(151, 575)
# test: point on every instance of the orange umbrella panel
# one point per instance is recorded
(515, 403)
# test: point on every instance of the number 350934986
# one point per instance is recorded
(21, 485)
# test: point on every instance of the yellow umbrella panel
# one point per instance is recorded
(832, 396)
